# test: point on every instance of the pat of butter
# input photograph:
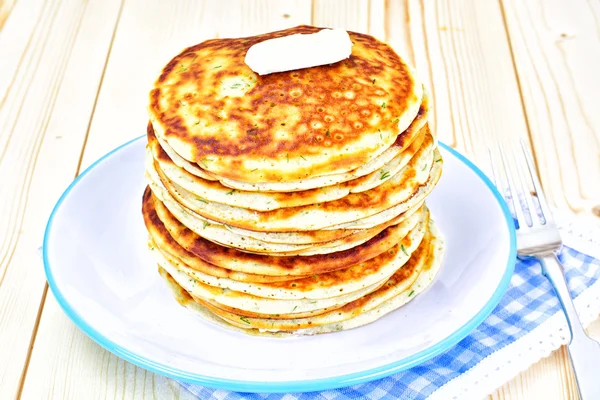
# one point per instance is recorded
(299, 51)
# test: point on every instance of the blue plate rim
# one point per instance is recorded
(288, 386)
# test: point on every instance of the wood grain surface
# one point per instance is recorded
(556, 50)
(74, 78)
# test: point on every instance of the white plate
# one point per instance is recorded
(99, 269)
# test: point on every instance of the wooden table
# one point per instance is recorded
(74, 78)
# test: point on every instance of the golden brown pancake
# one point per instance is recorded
(399, 188)
(393, 294)
(226, 236)
(170, 231)
(213, 110)
(398, 282)
(213, 304)
(403, 141)
(321, 286)
(159, 234)
(255, 303)
(215, 191)
(209, 190)
(291, 203)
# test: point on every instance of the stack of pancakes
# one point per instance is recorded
(294, 202)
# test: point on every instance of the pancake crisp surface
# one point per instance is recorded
(291, 203)
(407, 283)
(167, 232)
(213, 110)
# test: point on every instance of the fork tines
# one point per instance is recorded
(521, 190)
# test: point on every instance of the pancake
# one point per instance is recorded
(213, 191)
(392, 295)
(395, 165)
(423, 281)
(291, 203)
(319, 286)
(223, 235)
(307, 236)
(396, 190)
(403, 141)
(414, 201)
(184, 299)
(213, 110)
(216, 192)
(255, 303)
(200, 265)
(243, 313)
(401, 280)
(168, 230)
(192, 168)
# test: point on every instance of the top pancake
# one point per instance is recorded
(213, 110)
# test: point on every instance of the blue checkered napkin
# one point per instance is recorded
(528, 302)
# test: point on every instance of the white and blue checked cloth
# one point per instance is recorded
(526, 325)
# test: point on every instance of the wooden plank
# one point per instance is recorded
(352, 15)
(466, 65)
(556, 52)
(363, 16)
(256, 17)
(6, 7)
(550, 378)
(65, 363)
(38, 153)
(15, 41)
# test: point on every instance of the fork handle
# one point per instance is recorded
(584, 351)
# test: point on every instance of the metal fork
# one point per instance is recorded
(538, 236)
